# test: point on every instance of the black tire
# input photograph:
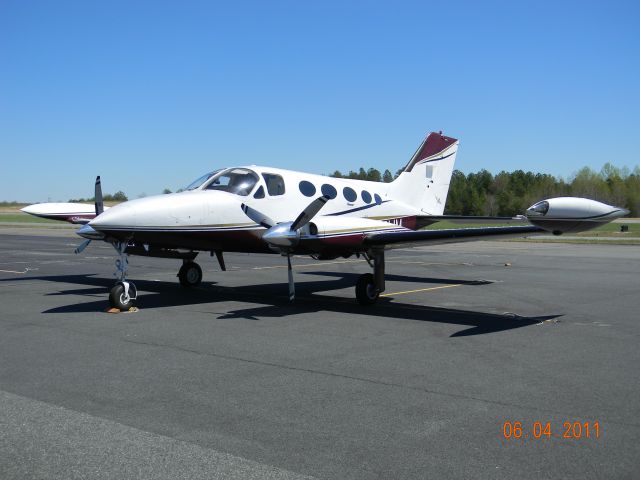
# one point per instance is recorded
(366, 291)
(118, 300)
(190, 275)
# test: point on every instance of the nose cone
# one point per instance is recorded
(170, 212)
(117, 217)
(30, 209)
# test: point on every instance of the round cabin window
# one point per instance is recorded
(329, 191)
(308, 189)
(349, 194)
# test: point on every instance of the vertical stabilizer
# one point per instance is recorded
(424, 183)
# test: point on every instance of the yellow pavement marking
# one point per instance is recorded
(13, 271)
(317, 264)
(422, 290)
(430, 264)
(391, 260)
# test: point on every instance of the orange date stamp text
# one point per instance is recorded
(546, 430)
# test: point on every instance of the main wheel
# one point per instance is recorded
(118, 298)
(366, 291)
(190, 275)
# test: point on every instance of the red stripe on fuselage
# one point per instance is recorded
(235, 240)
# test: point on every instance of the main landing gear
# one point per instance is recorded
(369, 287)
(190, 274)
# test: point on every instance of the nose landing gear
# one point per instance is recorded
(123, 294)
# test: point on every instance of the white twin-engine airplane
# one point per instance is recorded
(266, 210)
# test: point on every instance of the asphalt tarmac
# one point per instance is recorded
(230, 381)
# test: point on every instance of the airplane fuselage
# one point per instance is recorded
(207, 218)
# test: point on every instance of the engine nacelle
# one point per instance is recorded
(572, 214)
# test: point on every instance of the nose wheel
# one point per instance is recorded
(123, 295)
(190, 274)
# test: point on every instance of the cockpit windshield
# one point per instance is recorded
(197, 183)
(540, 208)
(234, 180)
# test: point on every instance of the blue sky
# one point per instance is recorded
(152, 94)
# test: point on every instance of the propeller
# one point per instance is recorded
(292, 285)
(256, 216)
(98, 197)
(86, 231)
(308, 213)
(285, 236)
(82, 246)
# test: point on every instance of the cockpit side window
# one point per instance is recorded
(234, 180)
(259, 192)
(275, 184)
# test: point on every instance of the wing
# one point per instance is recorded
(424, 220)
(399, 239)
(356, 233)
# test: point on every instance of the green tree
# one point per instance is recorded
(119, 196)
(373, 175)
(587, 183)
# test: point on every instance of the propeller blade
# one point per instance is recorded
(292, 286)
(308, 213)
(82, 246)
(258, 217)
(98, 198)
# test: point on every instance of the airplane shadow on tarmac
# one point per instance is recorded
(274, 300)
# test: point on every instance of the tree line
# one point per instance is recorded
(119, 196)
(510, 193)
(373, 175)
